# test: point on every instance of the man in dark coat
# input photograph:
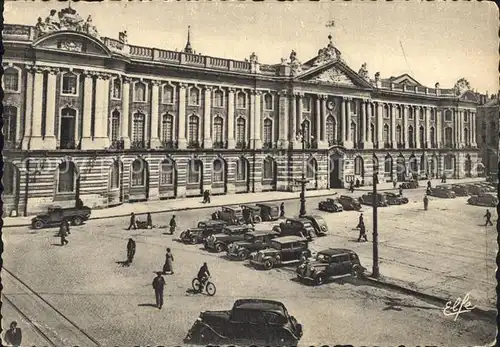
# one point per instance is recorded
(14, 336)
(130, 251)
(429, 185)
(203, 274)
(282, 210)
(149, 221)
(63, 232)
(362, 232)
(173, 225)
(361, 221)
(400, 190)
(158, 286)
(132, 221)
(426, 202)
(488, 218)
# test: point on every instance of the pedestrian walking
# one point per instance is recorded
(357, 183)
(429, 185)
(208, 196)
(132, 221)
(426, 202)
(488, 218)
(168, 267)
(130, 251)
(400, 190)
(282, 210)
(362, 232)
(361, 221)
(351, 187)
(149, 221)
(63, 232)
(13, 336)
(394, 183)
(158, 286)
(172, 224)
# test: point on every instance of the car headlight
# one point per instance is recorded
(323, 227)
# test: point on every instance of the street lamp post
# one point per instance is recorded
(375, 270)
(303, 181)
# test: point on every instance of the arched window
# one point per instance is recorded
(241, 169)
(411, 137)
(421, 135)
(448, 162)
(167, 94)
(140, 92)
(420, 113)
(138, 173)
(399, 137)
(307, 130)
(433, 115)
(398, 112)
(385, 111)
(241, 102)
(448, 116)
(117, 88)
(167, 127)
(218, 171)
(240, 130)
(268, 101)
(167, 171)
(268, 131)
(312, 167)
(466, 137)
(9, 179)
(66, 177)
(138, 127)
(69, 84)
(448, 136)
(386, 134)
(194, 96)
(354, 107)
(115, 125)
(354, 133)
(358, 166)
(388, 165)
(218, 129)
(67, 128)
(330, 129)
(268, 172)
(195, 168)
(432, 133)
(194, 124)
(9, 123)
(410, 113)
(218, 98)
(114, 175)
(11, 79)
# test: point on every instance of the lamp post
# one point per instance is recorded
(301, 136)
(375, 270)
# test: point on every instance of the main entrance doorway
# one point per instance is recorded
(335, 169)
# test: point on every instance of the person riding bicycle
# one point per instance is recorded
(203, 274)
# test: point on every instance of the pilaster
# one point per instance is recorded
(49, 140)
(393, 126)
(416, 116)
(362, 121)
(283, 116)
(368, 118)
(155, 94)
(293, 118)
(125, 121)
(29, 107)
(405, 126)
(439, 130)
(207, 124)
(101, 139)
(231, 143)
(347, 124)
(36, 141)
(87, 111)
(427, 126)
(324, 139)
(256, 106)
(182, 143)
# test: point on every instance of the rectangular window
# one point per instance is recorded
(168, 94)
(11, 80)
(166, 174)
(241, 101)
(69, 84)
(115, 128)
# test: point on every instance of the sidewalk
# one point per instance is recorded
(384, 186)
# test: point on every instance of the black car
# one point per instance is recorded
(55, 215)
(249, 322)
(409, 184)
(349, 203)
(330, 205)
(253, 241)
(367, 199)
(231, 233)
(202, 231)
(394, 199)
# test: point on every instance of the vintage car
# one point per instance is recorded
(330, 205)
(249, 322)
(330, 263)
(318, 223)
(295, 226)
(394, 199)
(475, 189)
(484, 199)
(269, 212)
(251, 213)
(412, 184)
(202, 231)
(284, 250)
(441, 192)
(231, 233)
(459, 190)
(487, 187)
(233, 215)
(55, 215)
(367, 199)
(349, 203)
(253, 241)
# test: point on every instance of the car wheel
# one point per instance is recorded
(38, 224)
(193, 240)
(268, 264)
(357, 272)
(77, 220)
(219, 247)
(303, 258)
(257, 219)
(207, 336)
(243, 254)
(319, 280)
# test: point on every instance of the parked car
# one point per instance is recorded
(203, 230)
(330, 205)
(459, 190)
(394, 199)
(233, 215)
(253, 241)
(249, 322)
(269, 212)
(295, 226)
(283, 250)
(367, 199)
(332, 262)
(484, 199)
(475, 189)
(441, 192)
(412, 184)
(349, 203)
(55, 215)
(487, 187)
(318, 223)
(231, 233)
(251, 213)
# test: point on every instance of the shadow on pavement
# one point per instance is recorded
(148, 305)
(123, 263)
(55, 244)
(396, 304)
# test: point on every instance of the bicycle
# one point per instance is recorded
(208, 286)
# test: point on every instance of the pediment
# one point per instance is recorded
(469, 96)
(73, 42)
(335, 73)
(405, 80)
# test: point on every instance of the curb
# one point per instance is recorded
(479, 311)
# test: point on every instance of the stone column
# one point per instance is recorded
(182, 142)
(231, 143)
(348, 143)
(342, 119)
(101, 139)
(283, 116)
(393, 126)
(49, 140)
(36, 137)
(125, 120)
(427, 126)
(439, 130)
(29, 107)
(416, 116)
(155, 96)
(293, 117)
(362, 120)
(256, 106)
(405, 126)
(318, 135)
(87, 142)
(472, 121)
(324, 114)
(207, 122)
(380, 125)
(369, 140)
(461, 128)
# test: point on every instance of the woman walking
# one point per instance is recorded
(169, 259)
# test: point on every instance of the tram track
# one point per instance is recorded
(49, 322)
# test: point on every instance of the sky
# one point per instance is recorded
(442, 41)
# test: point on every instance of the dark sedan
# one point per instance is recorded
(330, 205)
(349, 203)
(394, 199)
(485, 199)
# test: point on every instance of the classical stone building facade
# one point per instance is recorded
(488, 113)
(101, 120)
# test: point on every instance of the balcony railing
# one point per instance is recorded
(193, 145)
(69, 144)
(117, 144)
(241, 145)
(139, 144)
(168, 144)
(219, 144)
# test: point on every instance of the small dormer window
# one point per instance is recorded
(69, 84)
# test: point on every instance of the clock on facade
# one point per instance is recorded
(330, 105)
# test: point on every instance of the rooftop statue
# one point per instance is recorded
(329, 53)
(123, 37)
(254, 58)
(462, 86)
(295, 65)
(65, 19)
(363, 72)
